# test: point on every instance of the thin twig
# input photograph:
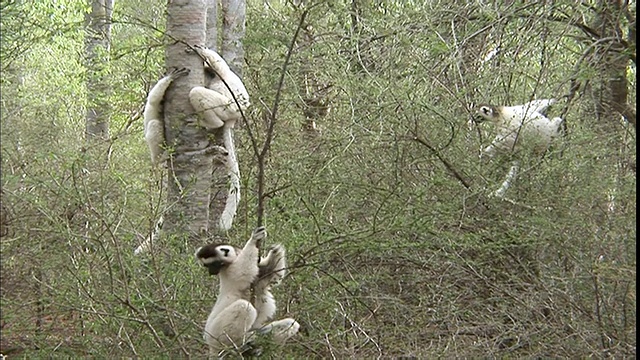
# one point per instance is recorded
(262, 154)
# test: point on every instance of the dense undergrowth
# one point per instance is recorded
(395, 247)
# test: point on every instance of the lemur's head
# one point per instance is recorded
(485, 112)
(216, 256)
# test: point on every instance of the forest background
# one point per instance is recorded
(372, 182)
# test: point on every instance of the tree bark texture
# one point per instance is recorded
(233, 29)
(212, 25)
(98, 34)
(190, 166)
(610, 92)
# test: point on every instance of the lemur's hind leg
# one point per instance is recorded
(280, 330)
(214, 107)
(230, 327)
(509, 179)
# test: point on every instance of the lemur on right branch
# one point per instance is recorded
(517, 126)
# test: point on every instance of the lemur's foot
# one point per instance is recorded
(221, 155)
(220, 150)
(176, 73)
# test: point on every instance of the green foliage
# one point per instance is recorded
(390, 254)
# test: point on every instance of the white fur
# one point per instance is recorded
(517, 125)
(511, 177)
(151, 239)
(281, 330)
(218, 108)
(522, 123)
(274, 267)
(154, 136)
(236, 315)
(154, 115)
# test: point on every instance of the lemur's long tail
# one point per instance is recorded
(233, 197)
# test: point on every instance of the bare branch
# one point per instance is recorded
(444, 161)
(262, 154)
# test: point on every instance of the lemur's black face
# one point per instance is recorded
(216, 257)
(215, 267)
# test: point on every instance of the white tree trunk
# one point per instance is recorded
(189, 174)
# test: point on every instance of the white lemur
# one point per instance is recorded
(154, 115)
(154, 134)
(521, 123)
(218, 108)
(220, 104)
(517, 124)
(239, 314)
(155, 137)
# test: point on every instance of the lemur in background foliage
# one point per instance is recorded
(516, 125)
(245, 303)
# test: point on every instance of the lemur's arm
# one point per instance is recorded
(244, 269)
(153, 107)
(251, 248)
(214, 62)
(222, 69)
(272, 269)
